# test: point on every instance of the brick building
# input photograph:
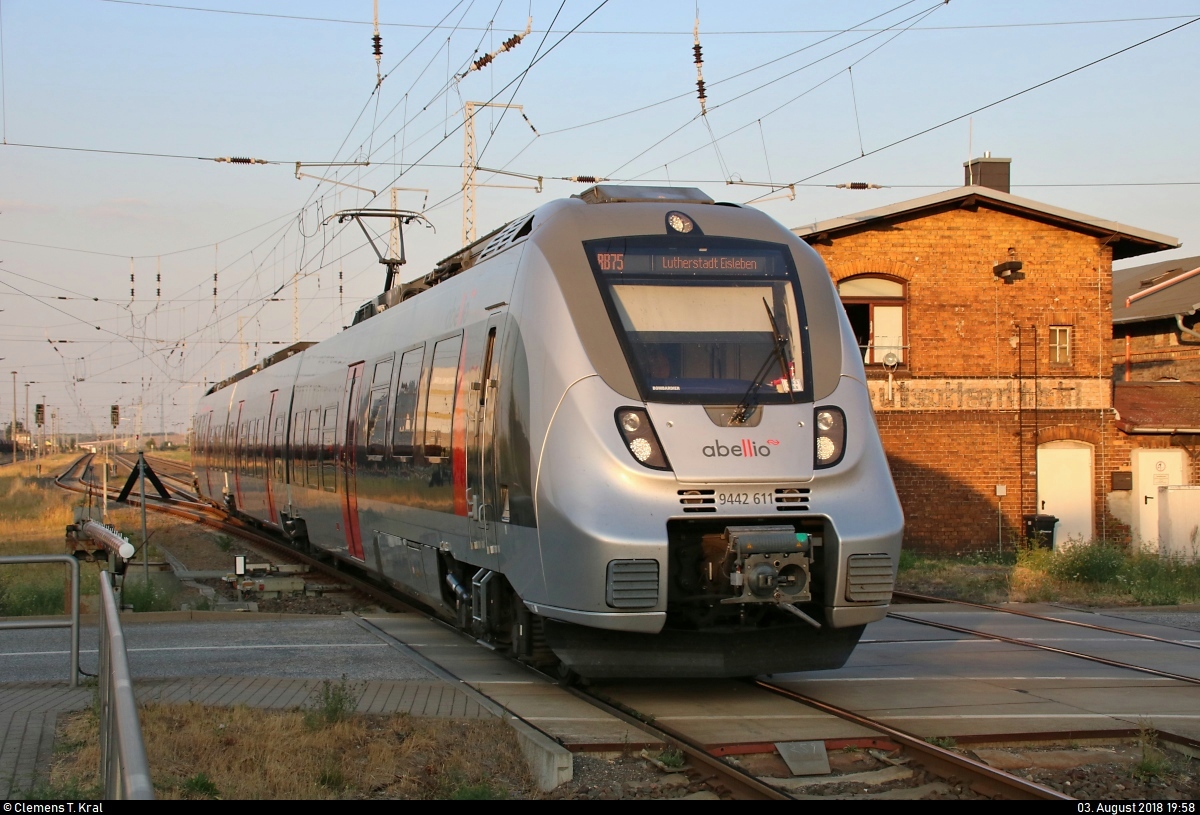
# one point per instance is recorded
(985, 321)
(1156, 327)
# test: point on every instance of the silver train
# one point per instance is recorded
(629, 432)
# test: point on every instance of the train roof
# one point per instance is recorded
(265, 362)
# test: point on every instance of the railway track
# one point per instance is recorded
(721, 776)
(943, 763)
(1192, 680)
(213, 518)
(981, 777)
(923, 598)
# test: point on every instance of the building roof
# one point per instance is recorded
(1181, 298)
(1158, 407)
(1129, 241)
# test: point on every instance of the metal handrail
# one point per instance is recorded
(123, 762)
(73, 623)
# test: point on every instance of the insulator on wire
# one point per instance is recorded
(859, 185)
(509, 44)
(700, 89)
(699, 60)
(697, 51)
(585, 179)
(239, 160)
(377, 41)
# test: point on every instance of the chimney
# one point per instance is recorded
(987, 172)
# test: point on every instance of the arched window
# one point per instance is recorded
(876, 308)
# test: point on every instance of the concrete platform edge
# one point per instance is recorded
(550, 763)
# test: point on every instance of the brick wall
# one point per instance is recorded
(962, 322)
(1157, 350)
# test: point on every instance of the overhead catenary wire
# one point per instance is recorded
(310, 256)
(652, 33)
(999, 101)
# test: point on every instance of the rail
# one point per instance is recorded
(984, 777)
(73, 623)
(123, 762)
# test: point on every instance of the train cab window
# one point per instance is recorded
(328, 459)
(404, 424)
(876, 308)
(699, 317)
(377, 410)
(439, 410)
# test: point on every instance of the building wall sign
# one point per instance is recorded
(990, 394)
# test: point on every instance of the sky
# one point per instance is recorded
(112, 113)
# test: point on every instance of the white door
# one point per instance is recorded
(1152, 468)
(1065, 488)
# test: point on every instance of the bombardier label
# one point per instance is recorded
(748, 448)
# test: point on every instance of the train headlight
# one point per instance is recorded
(641, 449)
(678, 222)
(830, 440)
(640, 438)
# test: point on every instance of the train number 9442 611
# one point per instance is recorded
(745, 498)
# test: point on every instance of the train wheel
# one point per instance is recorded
(568, 677)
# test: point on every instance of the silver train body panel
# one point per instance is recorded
(473, 430)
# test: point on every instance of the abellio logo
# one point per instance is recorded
(748, 448)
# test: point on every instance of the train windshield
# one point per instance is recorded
(705, 320)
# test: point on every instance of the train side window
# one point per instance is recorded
(241, 447)
(328, 460)
(404, 438)
(377, 410)
(312, 453)
(439, 410)
(298, 425)
(263, 447)
(277, 461)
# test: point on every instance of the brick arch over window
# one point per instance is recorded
(1067, 432)
(872, 268)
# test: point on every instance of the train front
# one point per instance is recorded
(712, 497)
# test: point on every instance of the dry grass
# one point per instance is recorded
(34, 514)
(32, 509)
(1091, 574)
(242, 753)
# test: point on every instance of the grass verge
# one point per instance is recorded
(199, 752)
(1098, 573)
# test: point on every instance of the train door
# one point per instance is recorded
(482, 489)
(238, 442)
(347, 460)
(270, 442)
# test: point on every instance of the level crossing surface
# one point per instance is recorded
(934, 682)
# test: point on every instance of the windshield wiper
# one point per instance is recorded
(779, 345)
